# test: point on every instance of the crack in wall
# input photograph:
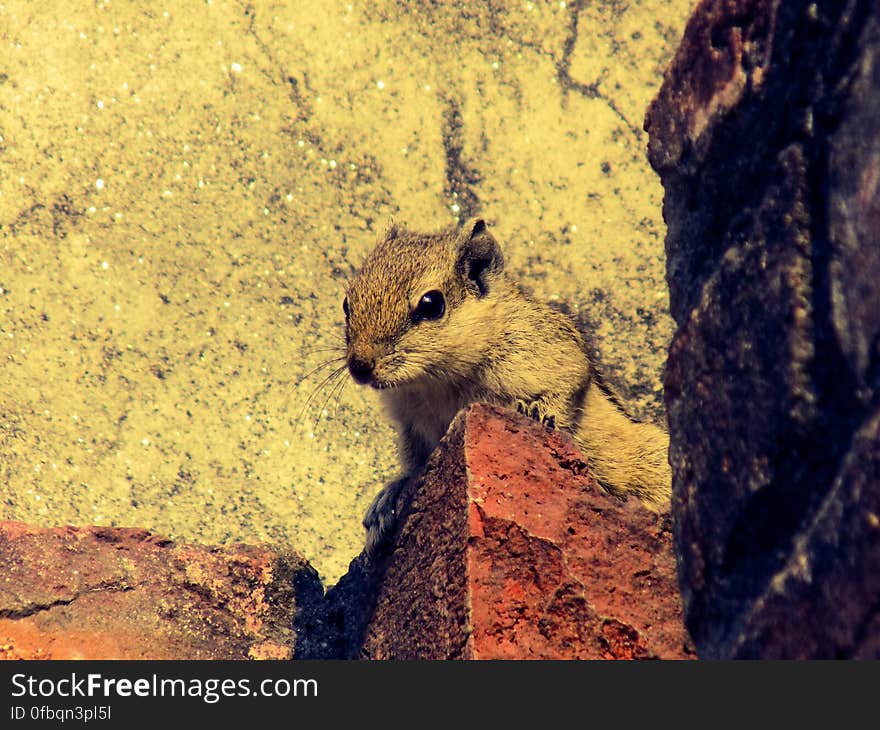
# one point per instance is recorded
(461, 177)
(32, 609)
(295, 94)
(589, 91)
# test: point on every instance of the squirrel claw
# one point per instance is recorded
(381, 516)
(535, 411)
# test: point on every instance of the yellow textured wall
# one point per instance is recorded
(183, 192)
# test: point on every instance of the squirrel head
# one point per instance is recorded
(420, 305)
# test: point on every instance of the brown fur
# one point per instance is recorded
(494, 343)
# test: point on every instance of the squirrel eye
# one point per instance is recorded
(432, 305)
(345, 306)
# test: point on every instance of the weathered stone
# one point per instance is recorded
(722, 58)
(508, 549)
(765, 135)
(854, 220)
(823, 601)
(748, 341)
(117, 593)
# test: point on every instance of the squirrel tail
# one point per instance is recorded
(626, 456)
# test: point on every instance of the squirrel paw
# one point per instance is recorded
(535, 410)
(381, 516)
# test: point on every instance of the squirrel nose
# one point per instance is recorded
(361, 370)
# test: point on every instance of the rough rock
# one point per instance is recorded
(509, 550)
(118, 593)
(765, 135)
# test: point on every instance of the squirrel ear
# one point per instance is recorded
(476, 226)
(480, 256)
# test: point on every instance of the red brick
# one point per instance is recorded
(118, 593)
(509, 550)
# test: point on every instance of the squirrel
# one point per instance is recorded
(434, 323)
